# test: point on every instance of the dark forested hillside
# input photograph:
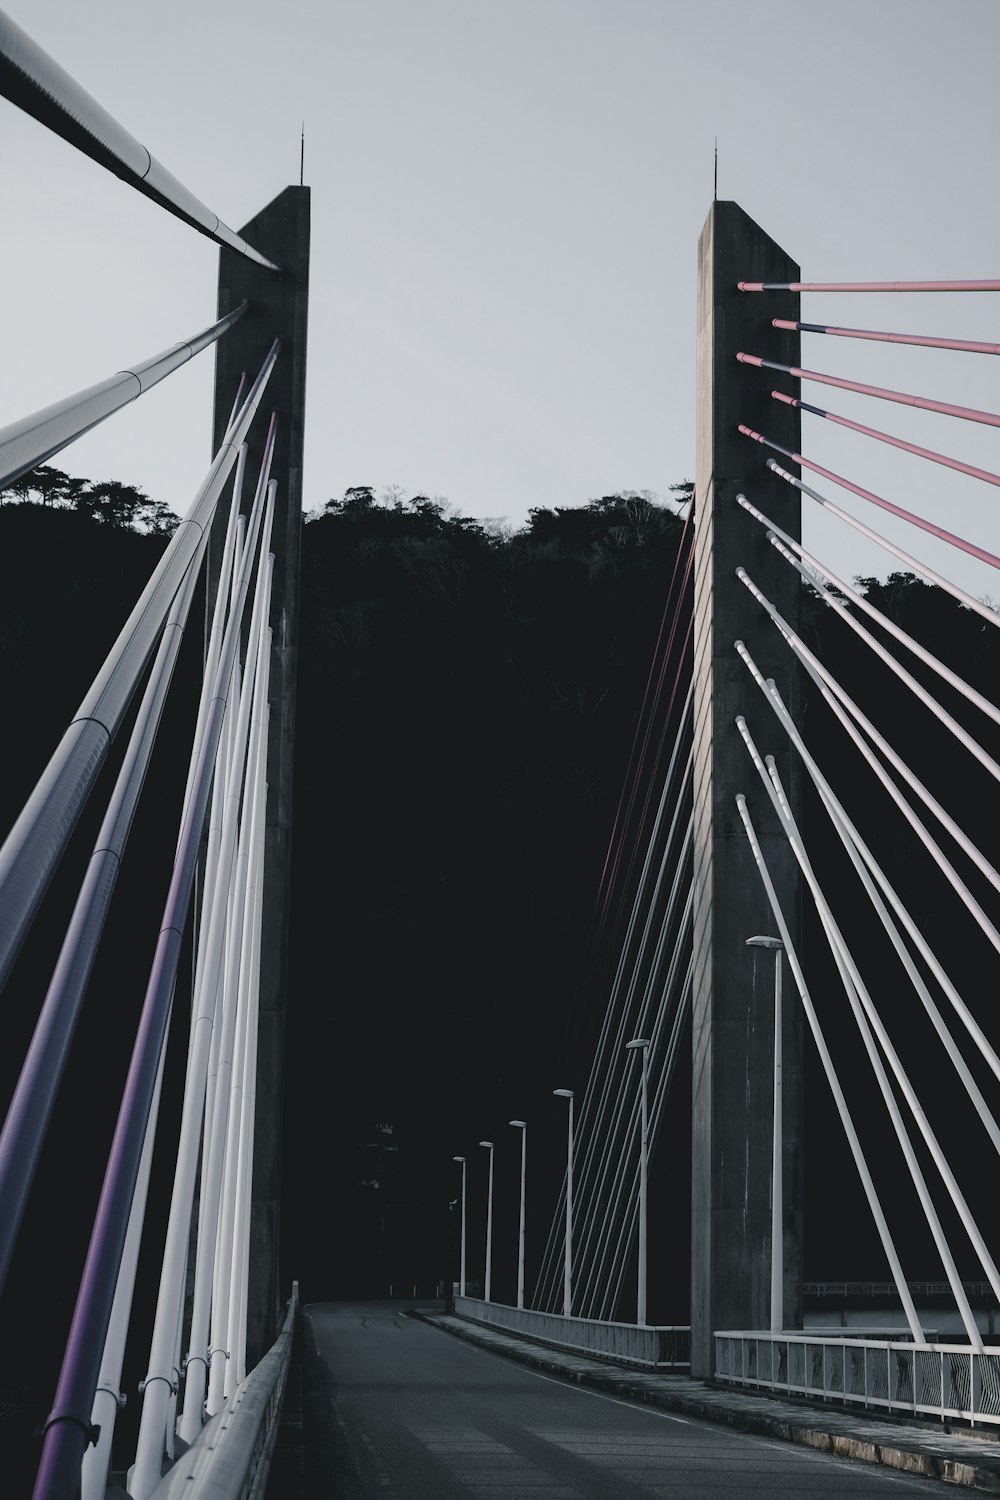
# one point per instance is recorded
(466, 708)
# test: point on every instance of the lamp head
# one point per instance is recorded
(563, 1093)
(520, 1123)
(459, 1158)
(487, 1143)
(639, 1041)
(764, 942)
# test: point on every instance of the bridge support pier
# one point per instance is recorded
(278, 308)
(733, 1017)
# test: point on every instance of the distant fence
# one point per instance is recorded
(935, 1380)
(664, 1348)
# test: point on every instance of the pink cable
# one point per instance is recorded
(924, 403)
(968, 346)
(885, 437)
(896, 510)
(868, 286)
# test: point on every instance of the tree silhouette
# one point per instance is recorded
(108, 501)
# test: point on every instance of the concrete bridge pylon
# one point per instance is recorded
(732, 1048)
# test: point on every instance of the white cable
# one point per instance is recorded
(881, 1224)
(853, 842)
(605, 1127)
(253, 813)
(550, 1277)
(868, 1019)
(917, 689)
(952, 678)
(912, 562)
(592, 1279)
(231, 869)
(146, 1470)
(819, 675)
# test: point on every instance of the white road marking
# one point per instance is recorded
(631, 1405)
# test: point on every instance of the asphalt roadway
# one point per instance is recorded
(396, 1408)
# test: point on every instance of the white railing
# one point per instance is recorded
(231, 1457)
(662, 1348)
(937, 1380)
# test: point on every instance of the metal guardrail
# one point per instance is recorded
(934, 1380)
(887, 1290)
(661, 1348)
(231, 1457)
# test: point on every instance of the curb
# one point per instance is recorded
(726, 1411)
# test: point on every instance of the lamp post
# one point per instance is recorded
(489, 1224)
(777, 1279)
(520, 1231)
(461, 1274)
(568, 1258)
(641, 1044)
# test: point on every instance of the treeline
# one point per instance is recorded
(121, 506)
(467, 698)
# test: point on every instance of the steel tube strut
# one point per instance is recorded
(35, 82)
(35, 844)
(924, 340)
(35, 438)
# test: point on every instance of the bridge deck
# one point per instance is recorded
(392, 1408)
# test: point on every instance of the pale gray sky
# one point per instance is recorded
(507, 197)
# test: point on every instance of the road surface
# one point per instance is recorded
(398, 1409)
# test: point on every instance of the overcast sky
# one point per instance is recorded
(507, 197)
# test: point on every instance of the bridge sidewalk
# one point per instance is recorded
(966, 1458)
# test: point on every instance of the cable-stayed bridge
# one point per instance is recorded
(726, 958)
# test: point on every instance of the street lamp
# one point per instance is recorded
(568, 1258)
(777, 1279)
(641, 1044)
(489, 1224)
(520, 1234)
(461, 1276)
